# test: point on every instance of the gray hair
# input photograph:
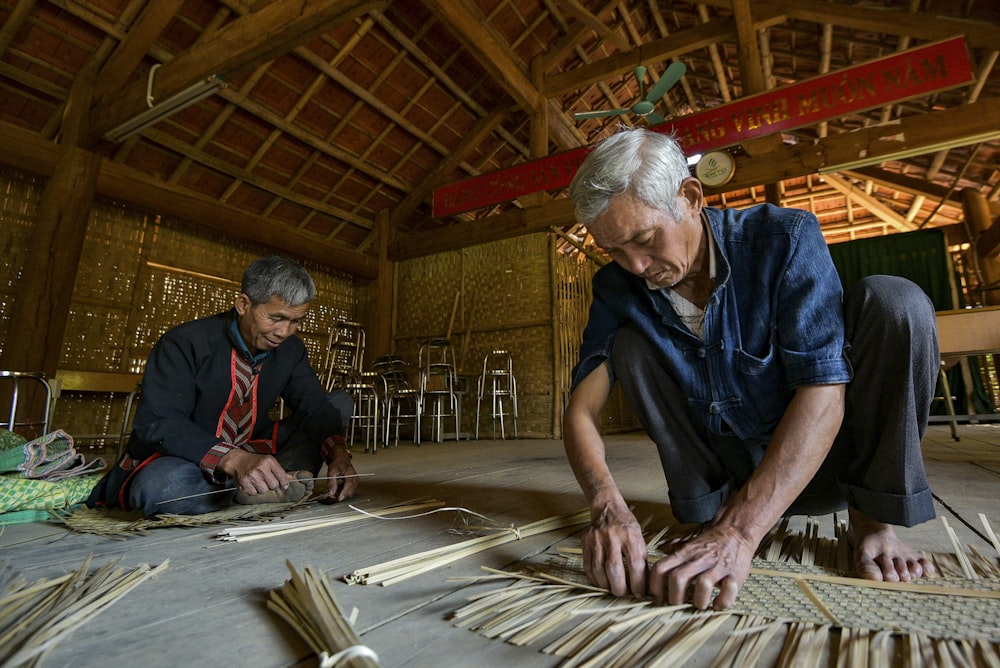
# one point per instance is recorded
(643, 164)
(277, 276)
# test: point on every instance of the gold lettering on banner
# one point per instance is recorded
(758, 117)
(907, 75)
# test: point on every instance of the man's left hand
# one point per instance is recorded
(718, 557)
(341, 488)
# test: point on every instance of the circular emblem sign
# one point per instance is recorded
(715, 168)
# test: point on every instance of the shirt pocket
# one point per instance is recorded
(763, 390)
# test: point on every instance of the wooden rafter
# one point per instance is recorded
(243, 44)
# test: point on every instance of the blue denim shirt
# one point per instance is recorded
(774, 322)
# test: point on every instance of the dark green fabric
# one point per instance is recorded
(922, 257)
(919, 256)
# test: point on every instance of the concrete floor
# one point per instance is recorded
(208, 607)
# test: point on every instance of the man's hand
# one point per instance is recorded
(254, 474)
(718, 557)
(614, 552)
(340, 465)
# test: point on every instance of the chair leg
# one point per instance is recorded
(951, 406)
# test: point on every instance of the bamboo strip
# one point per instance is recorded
(535, 631)
(989, 532)
(988, 654)
(623, 648)
(817, 601)
(73, 601)
(244, 534)
(692, 634)
(397, 570)
(963, 559)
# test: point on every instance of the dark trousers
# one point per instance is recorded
(168, 478)
(875, 464)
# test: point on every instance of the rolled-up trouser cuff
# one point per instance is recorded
(900, 509)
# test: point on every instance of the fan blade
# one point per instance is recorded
(584, 115)
(654, 119)
(670, 77)
(640, 77)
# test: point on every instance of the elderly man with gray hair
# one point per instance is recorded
(202, 435)
(767, 390)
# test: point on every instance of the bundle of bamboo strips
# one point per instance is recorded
(397, 570)
(247, 533)
(36, 617)
(308, 604)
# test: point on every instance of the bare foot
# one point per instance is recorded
(880, 555)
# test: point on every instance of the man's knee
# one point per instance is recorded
(891, 299)
(631, 352)
(343, 404)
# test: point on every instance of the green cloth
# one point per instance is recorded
(42, 475)
(51, 457)
(19, 495)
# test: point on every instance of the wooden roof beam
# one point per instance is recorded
(500, 64)
(918, 25)
(928, 131)
(472, 140)
(23, 150)
(672, 46)
(871, 204)
(124, 60)
(250, 40)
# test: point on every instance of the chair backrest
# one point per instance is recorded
(345, 352)
(26, 390)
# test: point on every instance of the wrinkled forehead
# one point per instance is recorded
(625, 219)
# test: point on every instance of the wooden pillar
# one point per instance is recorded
(984, 232)
(42, 303)
(752, 78)
(379, 310)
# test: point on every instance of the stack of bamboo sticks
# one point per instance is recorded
(35, 617)
(307, 602)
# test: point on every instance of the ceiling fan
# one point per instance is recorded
(646, 105)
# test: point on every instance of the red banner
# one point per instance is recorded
(908, 74)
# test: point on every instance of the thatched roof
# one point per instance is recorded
(338, 112)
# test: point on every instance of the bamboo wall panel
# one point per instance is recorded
(502, 291)
(19, 196)
(573, 297)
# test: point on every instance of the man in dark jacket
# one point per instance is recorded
(203, 430)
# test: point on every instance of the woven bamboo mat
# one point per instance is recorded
(120, 524)
(797, 595)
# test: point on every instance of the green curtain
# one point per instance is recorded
(919, 256)
(922, 257)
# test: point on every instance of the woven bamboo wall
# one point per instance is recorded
(138, 276)
(518, 295)
(500, 295)
(573, 295)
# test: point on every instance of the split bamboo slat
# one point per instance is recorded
(397, 570)
(308, 604)
(271, 529)
(795, 600)
(35, 617)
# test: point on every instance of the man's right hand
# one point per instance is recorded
(614, 552)
(253, 473)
